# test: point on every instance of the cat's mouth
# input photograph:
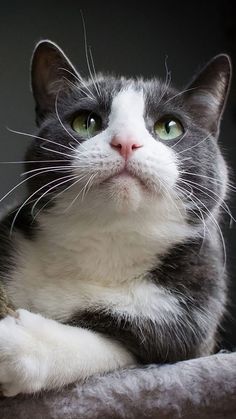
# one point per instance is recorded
(126, 176)
(129, 176)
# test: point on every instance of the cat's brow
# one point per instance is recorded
(96, 105)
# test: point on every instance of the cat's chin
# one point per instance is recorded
(125, 192)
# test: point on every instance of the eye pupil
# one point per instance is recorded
(168, 127)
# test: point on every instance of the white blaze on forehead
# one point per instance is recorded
(126, 117)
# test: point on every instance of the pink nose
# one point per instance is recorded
(125, 145)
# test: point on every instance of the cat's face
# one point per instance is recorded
(120, 146)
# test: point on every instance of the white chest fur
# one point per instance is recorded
(58, 275)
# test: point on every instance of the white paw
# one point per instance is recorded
(21, 353)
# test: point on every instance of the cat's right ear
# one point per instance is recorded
(50, 72)
(207, 94)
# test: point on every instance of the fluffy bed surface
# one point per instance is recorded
(199, 388)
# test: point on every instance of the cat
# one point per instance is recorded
(115, 258)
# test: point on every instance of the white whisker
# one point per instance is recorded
(21, 183)
(56, 151)
(94, 71)
(220, 201)
(50, 169)
(87, 186)
(68, 177)
(57, 168)
(168, 195)
(195, 145)
(31, 161)
(181, 93)
(59, 119)
(76, 197)
(36, 136)
(60, 193)
(213, 219)
(86, 53)
(166, 83)
(190, 197)
(27, 200)
(78, 87)
(183, 136)
(80, 80)
(214, 180)
(61, 123)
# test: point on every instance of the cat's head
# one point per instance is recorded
(115, 146)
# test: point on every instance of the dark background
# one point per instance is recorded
(127, 37)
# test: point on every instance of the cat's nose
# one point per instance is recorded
(125, 145)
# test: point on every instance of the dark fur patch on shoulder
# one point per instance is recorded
(24, 223)
(191, 273)
(6, 252)
(149, 341)
(193, 269)
(25, 226)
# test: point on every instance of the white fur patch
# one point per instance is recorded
(59, 295)
(35, 354)
(126, 117)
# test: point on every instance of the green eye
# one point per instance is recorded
(168, 128)
(87, 124)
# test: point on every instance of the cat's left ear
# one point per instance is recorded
(208, 93)
(50, 72)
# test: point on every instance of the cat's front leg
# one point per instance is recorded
(38, 353)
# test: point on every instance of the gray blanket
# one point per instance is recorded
(200, 388)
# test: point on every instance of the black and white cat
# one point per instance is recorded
(116, 256)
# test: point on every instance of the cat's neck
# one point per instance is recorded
(116, 251)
